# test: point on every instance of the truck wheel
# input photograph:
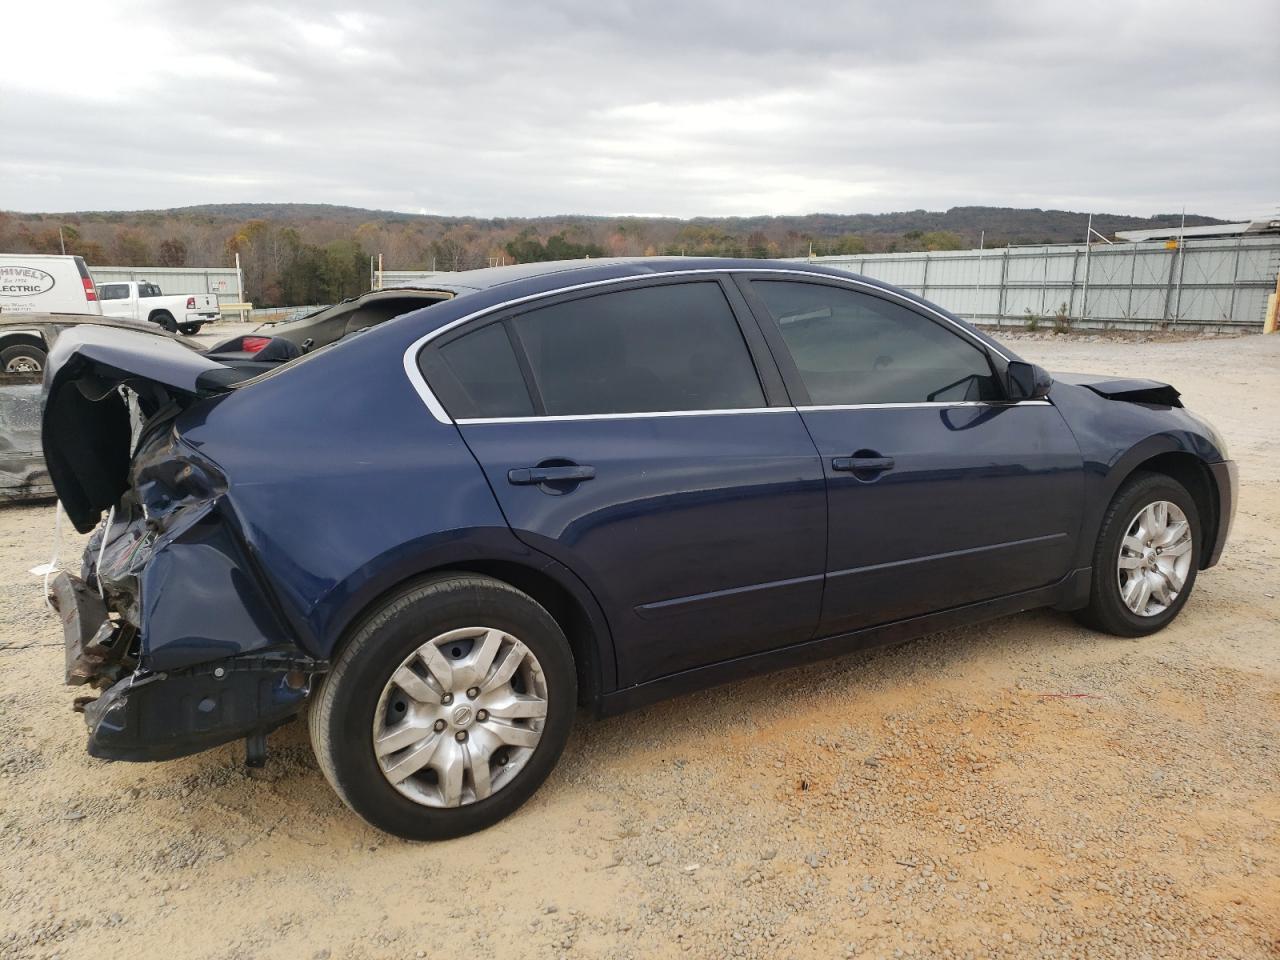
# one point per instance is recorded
(447, 708)
(165, 319)
(191, 329)
(22, 358)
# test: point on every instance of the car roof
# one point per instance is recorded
(465, 281)
(478, 291)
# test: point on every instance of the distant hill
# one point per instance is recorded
(1002, 224)
(308, 253)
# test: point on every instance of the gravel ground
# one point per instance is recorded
(1022, 788)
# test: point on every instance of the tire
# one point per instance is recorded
(22, 358)
(1108, 610)
(353, 699)
(191, 329)
(165, 319)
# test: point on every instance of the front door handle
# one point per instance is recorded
(867, 465)
(572, 473)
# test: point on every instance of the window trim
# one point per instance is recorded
(733, 276)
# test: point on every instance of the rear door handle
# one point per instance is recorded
(862, 464)
(526, 475)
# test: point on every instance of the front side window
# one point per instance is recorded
(648, 350)
(854, 348)
(113, 291)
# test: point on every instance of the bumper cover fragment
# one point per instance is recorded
(161, 716)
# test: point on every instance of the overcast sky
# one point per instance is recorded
(614, 107)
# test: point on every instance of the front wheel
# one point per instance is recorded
(447, 709)
(1146, 558)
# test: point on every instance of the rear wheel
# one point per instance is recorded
(22, 358)
(191, 329)
(1146, 558)
(447, 709)
(165, 319)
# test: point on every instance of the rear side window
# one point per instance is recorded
(853, 348)
(113, 291)
(483, 378)
(649, 350)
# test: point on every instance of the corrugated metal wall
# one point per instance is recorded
(1216, 283)
(219, 280)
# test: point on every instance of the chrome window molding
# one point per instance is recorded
(923, 403)
(438, 411)
(561, 418)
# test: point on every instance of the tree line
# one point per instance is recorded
(294, 254)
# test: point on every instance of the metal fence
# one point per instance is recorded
(220, 280)
(1199, 283)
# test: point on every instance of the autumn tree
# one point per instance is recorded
(130, 248)
(173, 253)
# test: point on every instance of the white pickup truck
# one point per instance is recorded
(140, 300)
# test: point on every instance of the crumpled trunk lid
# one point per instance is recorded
(88, 429)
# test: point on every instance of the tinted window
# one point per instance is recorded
(666, 348)
(854, 348)
(484, 367)
(113, 291)
(149, 290)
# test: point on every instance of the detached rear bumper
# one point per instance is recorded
(158, 715)
(1226, 477)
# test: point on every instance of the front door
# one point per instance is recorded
(627, 434)
(940, 492)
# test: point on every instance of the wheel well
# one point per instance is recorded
(151, 317)
(564, 609)
(555, 599)
(23, 340)
(1190, 471)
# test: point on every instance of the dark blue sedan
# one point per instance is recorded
(597, 482)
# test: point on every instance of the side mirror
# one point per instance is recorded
(1026, 381)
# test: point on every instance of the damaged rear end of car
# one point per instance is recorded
(169, 617)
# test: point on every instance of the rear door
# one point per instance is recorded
(941, 492)
(640, 436)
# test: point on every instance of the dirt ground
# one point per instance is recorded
(1022, 788)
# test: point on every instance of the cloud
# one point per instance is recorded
(605, 106)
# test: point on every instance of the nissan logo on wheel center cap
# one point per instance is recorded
(461, 716)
